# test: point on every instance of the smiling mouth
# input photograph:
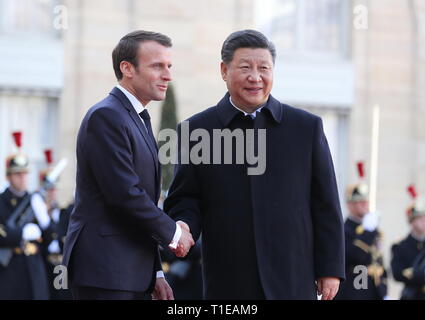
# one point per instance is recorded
(253, 90)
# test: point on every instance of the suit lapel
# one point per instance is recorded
(135, 117)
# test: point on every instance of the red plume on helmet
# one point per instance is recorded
(17, 162)
(358, 191)
(360, 169)
(17, 137)
(416, 208)
(48, 153)
(412, 191)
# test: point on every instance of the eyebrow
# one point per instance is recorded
(161, 63)
(249, 61)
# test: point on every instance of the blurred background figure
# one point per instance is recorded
(23, 225)
(362, 246)
(52, 251)
(408, 255)
(184, 275)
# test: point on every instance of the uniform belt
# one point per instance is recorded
(28, 249)
(55, 258)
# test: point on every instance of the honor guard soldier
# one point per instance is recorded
(408, 256)
(362, 248)
(22, 222)
(59, 219)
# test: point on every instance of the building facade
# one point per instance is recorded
(335, 58)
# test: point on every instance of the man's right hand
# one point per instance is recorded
(185, 242)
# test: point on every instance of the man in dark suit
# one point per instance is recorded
(112, 244)
(275, 231)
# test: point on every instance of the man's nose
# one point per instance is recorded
(254, 76)
(167, 75)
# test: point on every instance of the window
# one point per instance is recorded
(27, 16)
(304, 26)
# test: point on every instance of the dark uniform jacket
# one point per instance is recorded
(362, 248)
(408, 266)
(25, 275)
(54, 259)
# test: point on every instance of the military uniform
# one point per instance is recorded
(25, 275)
(22, 268)
(408, 257)
(404, 255)
(53, 250)
(362, 249)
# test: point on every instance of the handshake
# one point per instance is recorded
(185, 241)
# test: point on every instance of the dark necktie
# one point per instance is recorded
(147, 119)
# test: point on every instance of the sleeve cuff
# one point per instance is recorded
(176, 238)
(160, 274)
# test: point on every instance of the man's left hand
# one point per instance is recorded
(162, 290)
(327, 287)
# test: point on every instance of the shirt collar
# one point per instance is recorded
(137, 105)
(17, 193)
(417, 238)
(226, 111)
(354, 219)
(253, 114)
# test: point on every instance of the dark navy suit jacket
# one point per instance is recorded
(115, 227)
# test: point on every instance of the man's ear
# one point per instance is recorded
(224, 69)
(126, 69)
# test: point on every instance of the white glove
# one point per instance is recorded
(55, 214)
(40, 210)
(31, 232)
(370, 221)
(54, 247)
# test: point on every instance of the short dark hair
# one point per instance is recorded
(245, 39)
(128, 46)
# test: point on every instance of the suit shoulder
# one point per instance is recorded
(203, 118)
(106, 109)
